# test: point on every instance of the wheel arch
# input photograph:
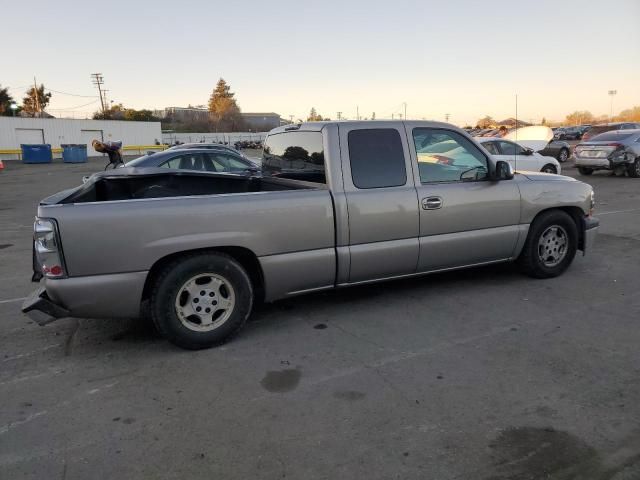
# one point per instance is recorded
(576, 214)
(245, 257)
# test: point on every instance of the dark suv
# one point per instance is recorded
(598, 129)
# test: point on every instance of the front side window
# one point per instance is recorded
(190, 161)
(447, 156)
(510, 148)
(296, 155)
(491, 147)
(376, 157)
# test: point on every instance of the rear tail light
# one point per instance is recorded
(47, 248)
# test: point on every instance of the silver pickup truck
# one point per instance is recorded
(336, 204)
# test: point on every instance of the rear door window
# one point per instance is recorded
(296, 155)
(377, 158)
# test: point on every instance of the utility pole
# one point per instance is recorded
(612, 93)
(405, 110)
(35, 92)
(357, 112)
(98, 81)
(291, 118)
(339, 115)
(446, 117)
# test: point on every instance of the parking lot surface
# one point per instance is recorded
(477, 374)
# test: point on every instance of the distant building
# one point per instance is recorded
(186, 114)
(513, 123)
(256, 122)
(262, 122)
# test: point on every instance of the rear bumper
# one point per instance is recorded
(41, 309)
(595, 163)
(99, 296)
(591, 227)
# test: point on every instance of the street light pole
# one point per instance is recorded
(612, 93)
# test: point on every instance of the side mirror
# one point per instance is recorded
(527, 151)
(503, 171)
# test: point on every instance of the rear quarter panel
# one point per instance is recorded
(291, 233)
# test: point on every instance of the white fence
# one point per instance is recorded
(213, 137)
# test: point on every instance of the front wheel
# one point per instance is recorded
(633, 169)
(551, 245)
(585, 171)
(201, 300)
(549, 168)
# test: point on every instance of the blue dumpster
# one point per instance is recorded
(73, 153)
(36, 153)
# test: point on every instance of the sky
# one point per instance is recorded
(465, 58)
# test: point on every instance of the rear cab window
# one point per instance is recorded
(296, 155)
(377, 158)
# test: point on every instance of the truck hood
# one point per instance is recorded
(535, 138)
(546, 177)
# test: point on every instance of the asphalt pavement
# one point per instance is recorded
(478, 374)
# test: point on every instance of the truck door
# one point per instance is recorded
(381, 201)
(465, 218)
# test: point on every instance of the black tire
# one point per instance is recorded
(585, 171)
(633, 169)
(171, 280)
(549, 168)
(530, 260)
(563, 155)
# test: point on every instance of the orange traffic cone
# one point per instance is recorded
(1, 165)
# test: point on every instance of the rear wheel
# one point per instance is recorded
(633, 169)
(201, 300)
(563, 156)
(551, 244)
(549, 168)
(585, 171)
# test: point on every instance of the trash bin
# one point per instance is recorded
(74, 153)
(36, 153)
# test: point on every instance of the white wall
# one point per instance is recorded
(57, 131)
(212, 137)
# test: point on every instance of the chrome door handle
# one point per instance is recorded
(432, 203)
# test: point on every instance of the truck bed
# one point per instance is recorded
(131, 184)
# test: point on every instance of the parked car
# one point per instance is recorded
(607, 127)
(201, 159)
(558, 132)
(569, 133)
(616, 150)
(540, 139)
(520, 158)
(558, 149)
(202, 248)
(212, 146)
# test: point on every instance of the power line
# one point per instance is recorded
(78, 106)
(72, 94)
